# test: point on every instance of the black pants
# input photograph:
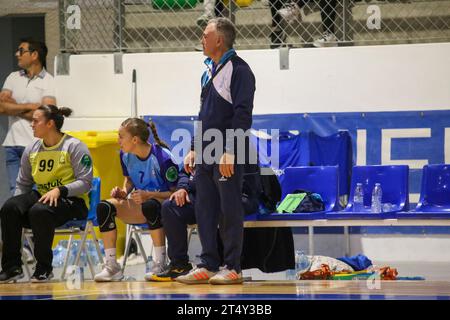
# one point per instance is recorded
(175, 220)
(24, 211)
(276, 5)
(328, 14)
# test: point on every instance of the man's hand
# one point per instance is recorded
(189, 162)
(7, 98)
(51, 197)
(181, 196)
(226, 165)
(139, 196)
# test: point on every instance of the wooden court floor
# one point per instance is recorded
(251, 290)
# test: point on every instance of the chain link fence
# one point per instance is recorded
(177, 25)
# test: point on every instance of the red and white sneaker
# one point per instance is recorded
(196, 276)
(226, 276)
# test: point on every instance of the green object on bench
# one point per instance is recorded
(290, 203)
(174, 4)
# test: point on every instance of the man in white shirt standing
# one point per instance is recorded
(22, 92)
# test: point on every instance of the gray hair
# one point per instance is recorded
(226, 28)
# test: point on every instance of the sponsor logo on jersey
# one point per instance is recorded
(86, 161)
(50, 185)
(172, 174)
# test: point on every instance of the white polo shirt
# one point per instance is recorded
(26, 90)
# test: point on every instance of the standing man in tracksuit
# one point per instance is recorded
(228, 88)
(178, 212)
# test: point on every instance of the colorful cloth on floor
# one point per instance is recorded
(324, 273)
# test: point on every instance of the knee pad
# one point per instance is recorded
(105, 216)
(151, 210)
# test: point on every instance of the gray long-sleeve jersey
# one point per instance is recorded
(67, 164)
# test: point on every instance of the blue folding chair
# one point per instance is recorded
(76, 227)
(434, 201)
(323, 180)
(394, 184)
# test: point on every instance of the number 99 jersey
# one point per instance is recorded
(68, 164)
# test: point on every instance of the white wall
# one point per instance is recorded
(373, 78)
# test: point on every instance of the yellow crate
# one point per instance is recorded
(240, 3)
(104, 150)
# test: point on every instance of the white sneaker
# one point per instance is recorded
(158, 267)
(291, 12)
(111, 272)
(226, 276)
(196, 276)
(327, 40)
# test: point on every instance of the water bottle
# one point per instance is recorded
(301, 262)
(376, 198)
(290, 274)
(59, 254)
(92, 252)
(358, 198)
(149, 264)
(73, 254)
(102, 247)
(64, 243)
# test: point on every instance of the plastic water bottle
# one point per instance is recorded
(149, 264)
(73, 254)
(358, 198)
(376, 198)
(59, 253)
(290, 274)
(301, 262)
(92, 252)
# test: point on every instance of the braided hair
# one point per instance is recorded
(139, 128)
(152, 126)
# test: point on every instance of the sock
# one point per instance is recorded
(110, 255)
(160, 254)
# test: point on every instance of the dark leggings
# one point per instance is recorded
(25, 211)
(276, 5)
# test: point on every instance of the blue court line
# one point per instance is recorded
(229, 297)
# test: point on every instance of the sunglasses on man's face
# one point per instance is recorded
(21, 51)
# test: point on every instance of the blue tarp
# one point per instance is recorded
(358, 262)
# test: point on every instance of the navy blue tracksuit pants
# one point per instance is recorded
(219, 203)
(175, 220)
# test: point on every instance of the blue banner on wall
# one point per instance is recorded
(408, 137)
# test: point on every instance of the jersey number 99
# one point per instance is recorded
(46, 165)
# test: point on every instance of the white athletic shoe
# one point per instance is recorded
(327, 40)
(196, 276)
(157, 268)
(227, 276)
(291, 12)
(111, 272)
